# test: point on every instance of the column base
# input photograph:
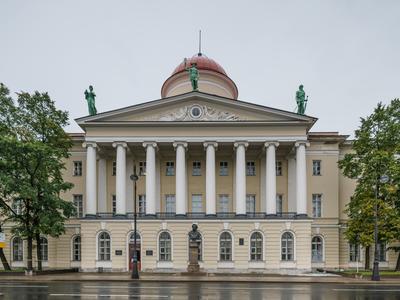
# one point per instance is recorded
(90, 216)
(120, 216)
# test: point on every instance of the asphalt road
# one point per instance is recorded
(165, 290)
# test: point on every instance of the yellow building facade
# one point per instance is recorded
(264, 190)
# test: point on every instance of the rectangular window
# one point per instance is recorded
(77, 168)
(251, 168)
(316, 205)
(223, 203)
(354, 252)
(196, 168)
(279, 201)
(197, 203)
(381, 251)
(114, 204)
(278, 167)
(316, 167)
(250, 204)
(78, 205)
(142, 168)
(17, 206)
(142, 204)
(170, 170)
(223, 168)
(114, 168)
(170, 204)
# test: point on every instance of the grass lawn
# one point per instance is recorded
(369, 273)
(13, 270)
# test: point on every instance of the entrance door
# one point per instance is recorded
(131, 251)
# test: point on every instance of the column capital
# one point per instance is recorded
(210, 143)
(267, 144)
(241, 143)
(180, 143)
(299, 143)
(151, 144)
(89, 144)
(122, 144)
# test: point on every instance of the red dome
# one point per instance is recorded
(203, 63)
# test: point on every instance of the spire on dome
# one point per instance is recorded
(199, 54)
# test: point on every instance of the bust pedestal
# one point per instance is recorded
(193, 266)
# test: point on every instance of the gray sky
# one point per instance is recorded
(346, 53)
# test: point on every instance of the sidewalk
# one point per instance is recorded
(182, 277)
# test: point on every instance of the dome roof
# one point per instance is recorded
(203, 63)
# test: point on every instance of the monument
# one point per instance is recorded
(194, 243)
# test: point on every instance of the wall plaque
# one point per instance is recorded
(118, 252)
(149, 252)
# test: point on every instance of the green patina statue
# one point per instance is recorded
(89, 96)
(193, 75)
(301, 100)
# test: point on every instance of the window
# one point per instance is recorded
(196, 168)
(250, 204)
(170, 203)
(104, 244)
(142, 168)
(78, 205)
(114, 168)
(223, 203)
(223, 168)
(316, 167)
(17, 206)
(279, 201)
(142, 204)
(77, 168)
(382, 251)
(256, 246)
(251, 168)
(287, 246)
(316, 205)
(225, 246)
(197, 204)
(165, 246)
(76, 248)
(17, 249)
(200, 255)
(44, 249)
(170, 170)
(316, 249)
(114, 204)
(354, 252)
(278, 167)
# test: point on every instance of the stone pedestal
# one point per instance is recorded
(193, 266)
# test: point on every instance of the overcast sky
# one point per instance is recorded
(346, 53)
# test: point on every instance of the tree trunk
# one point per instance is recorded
(367, 264)
(398, 262)
(38, 252)
(4, 260)
(30, 249)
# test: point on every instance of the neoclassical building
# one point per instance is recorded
(264, 190)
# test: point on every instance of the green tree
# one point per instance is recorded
(33, 149)
(375, 153)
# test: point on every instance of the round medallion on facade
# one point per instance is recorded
(196, 112)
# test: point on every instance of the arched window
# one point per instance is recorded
(44, 249)
(76, 248)
(200, 256)
(18, 249)
(287, 248)
(132, 238)
(256, 246)
(165, 246)
(225, 246)
(317, 249)
(104, 245)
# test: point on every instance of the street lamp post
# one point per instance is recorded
(135, 272)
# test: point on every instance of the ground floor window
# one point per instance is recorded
(165, 246)
(287, 247)
(44, 249)
(256, 246)
(317, 249)
(225, 246)
(76, 248)
(104, 246)
(17, 249)
(354, 252)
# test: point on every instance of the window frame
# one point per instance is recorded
(44, 248)
(285, 254)
(278, 168)
(142, 168)
(316, 167)
(354, 252)
(114, 168)
(103, 255)
(76, 252)
(220, 252)
(170, 196)
(196, 168)
(142, 203)
(17, 254)
(225, 196)
(251, 168)
(223, 168)
(201, 202)
(249, 198)
(77, 170)
(162, 245)
(279, 203)
(79, 207)
(170, 168)
(114, 204)
(315, 205)
(259, 248)
(320, 256)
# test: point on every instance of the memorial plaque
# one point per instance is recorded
(149, 252)
(118, 252)
(241, 241)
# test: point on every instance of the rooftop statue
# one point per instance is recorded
(89, 96)
(301, 100)
(193, 74)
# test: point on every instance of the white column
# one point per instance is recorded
(210, 177)
(301, 178)
(291, 184)
(90, 178)
(240, 182)
(270, 177)
(129, 184)
(180, 178)
(120, 178)
(150, 177)
(102, 186)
